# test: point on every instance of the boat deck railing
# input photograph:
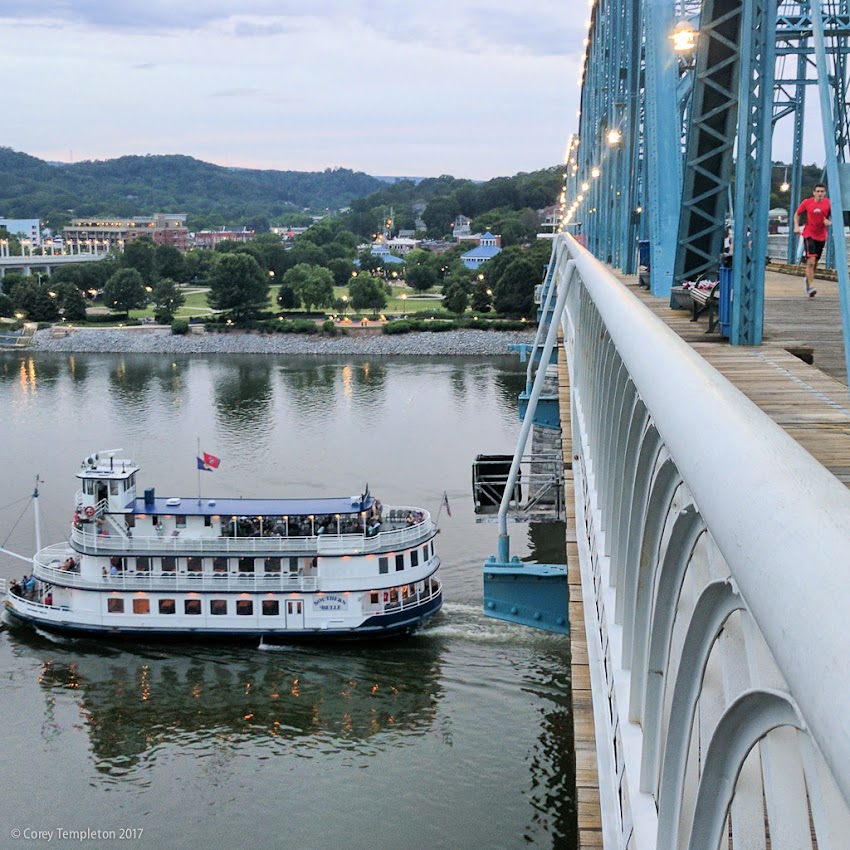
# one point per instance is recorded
(88, 540)
(47, 568)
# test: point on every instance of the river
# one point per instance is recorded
(457, 737)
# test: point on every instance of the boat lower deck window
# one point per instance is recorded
(195, 565)
(272, 565)
(246, 565)
(167, 606)
(218, 607)
(244, 607)
(293, 565)
(141, 606)
(143, 565)
(191, 606)
(271, 608)
(374, 597)
(115, 606)
(169, 564)
(219, 565)
(180, 521)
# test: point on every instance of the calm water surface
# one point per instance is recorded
(459, 737)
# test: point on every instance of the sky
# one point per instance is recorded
(469, 88)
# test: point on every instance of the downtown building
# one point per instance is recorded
(109, 234)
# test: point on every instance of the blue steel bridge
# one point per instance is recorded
(703, 476)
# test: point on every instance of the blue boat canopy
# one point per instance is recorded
(190, 506)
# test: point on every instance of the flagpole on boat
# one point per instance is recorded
(36, 515)
(199, 470)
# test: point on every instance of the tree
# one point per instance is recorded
(238, 284)
(482, 299)
(168, 299)
(6, 308)
(421, 278)
(366, 293)
(170, 263)
(125, 291)
(313, 285)
(44, 307)
(369, 262)
(288, 298)
(514, 291)
(456, 297)
(341, 270)
(140, 254)
(72, 302)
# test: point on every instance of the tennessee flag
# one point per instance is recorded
(208, 462)
(446, 503)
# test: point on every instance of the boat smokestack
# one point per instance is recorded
(149, 496)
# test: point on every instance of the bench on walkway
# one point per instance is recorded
(706, 299)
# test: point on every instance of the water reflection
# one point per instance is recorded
(552, 760)
(243, 394)
(134, 702)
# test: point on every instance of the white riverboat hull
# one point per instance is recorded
(276, 569)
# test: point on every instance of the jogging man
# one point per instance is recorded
(818, 211)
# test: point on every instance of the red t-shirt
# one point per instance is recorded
(816, 212)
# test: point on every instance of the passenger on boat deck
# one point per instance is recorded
(373, 529)
(410, 519)
(68, 564)
(48, 598)
(15, 588)
(113, 570)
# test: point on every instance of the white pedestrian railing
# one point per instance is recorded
(715, 561)
(86, 538)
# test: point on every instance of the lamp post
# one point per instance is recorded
(403, 297)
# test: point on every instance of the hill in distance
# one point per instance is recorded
(211, 195)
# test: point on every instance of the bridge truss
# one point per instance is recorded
(675, 145)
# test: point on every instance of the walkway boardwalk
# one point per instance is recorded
(810, 402)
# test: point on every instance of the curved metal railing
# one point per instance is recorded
(714, 554)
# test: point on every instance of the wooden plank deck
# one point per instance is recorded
(810, 402)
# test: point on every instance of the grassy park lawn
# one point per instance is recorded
(403, 300)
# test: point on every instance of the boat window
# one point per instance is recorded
(246, 565)
(141, 606)
(88, 487)
(399, 563)
(218, 606)
(293, 565)
(271, 607)
(219, 564)
(169, 564)
(191, 606)
(167, 606)
(195, 565)
(113, 487)
(383, 565)
(373, 597)
(143, 565)
(414, 557)
(394, 594)
(180, 521)
(424, 553)
(115, 606)
(273, 565)
(244, 607)
(207, 521)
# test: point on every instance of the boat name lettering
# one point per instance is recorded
(330, 602)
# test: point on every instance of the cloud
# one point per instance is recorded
(465, 25)
(238, 93)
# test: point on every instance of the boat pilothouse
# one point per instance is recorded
(291, 568)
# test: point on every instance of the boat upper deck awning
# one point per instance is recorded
(191, 506)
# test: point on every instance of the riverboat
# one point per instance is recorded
(254, 568)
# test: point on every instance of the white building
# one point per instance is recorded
(24, 228)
